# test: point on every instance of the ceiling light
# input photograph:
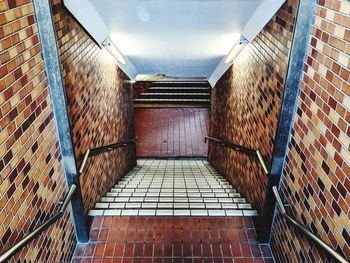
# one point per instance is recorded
(114, 51)
(236, 49)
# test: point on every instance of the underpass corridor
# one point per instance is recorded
(174, 131)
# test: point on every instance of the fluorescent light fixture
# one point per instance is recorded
(114, 51)
(236, 50)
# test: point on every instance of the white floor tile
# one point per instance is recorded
(129, 212)
(250, 213)
(175, 187)
(165, 205)
(164, 212)
(116, 205)
(199, 213)
(216, 213)
(101, 205)
(234, 212)
(112, 212)
(145, 212)
(95, 213)
(182, 212)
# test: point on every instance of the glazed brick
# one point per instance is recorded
(30, 184)
(99, 106)
(246, 102)
(319, 193)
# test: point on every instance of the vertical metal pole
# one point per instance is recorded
(300, 41)
(59, 104)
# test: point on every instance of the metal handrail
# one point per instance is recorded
(242, 149)
(106, 148)
(262, 162)
(63, 204)
(28, 238)
(305, 230)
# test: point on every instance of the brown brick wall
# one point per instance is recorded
(246, 103)
(31, 173)
(316, 176)
(99, 105)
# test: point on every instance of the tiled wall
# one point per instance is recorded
(31, 174)
(246, 102)
(99, 105)
(316, 176)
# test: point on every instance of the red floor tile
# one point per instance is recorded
(169, 239)
(171, 132)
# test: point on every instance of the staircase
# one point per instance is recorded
(175, 94)
(185, 187)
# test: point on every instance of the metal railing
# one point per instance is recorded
(106, 148)
(295, 223)
(241, 149)
(305, 230)
(64, 203)
(28, 238)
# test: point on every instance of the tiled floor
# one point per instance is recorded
(171, 132)
(182, 187)
(172, 239)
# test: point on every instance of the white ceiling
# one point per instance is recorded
(179, 38)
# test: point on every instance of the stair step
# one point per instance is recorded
(164, 189)
(170, 212)
(172, 194)
(173, 100)
(173, 94)
(173, 97)
(179, 88)
(168, 205)
(173, 188)
(171, 199)
(181, 83)
(168, 105)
